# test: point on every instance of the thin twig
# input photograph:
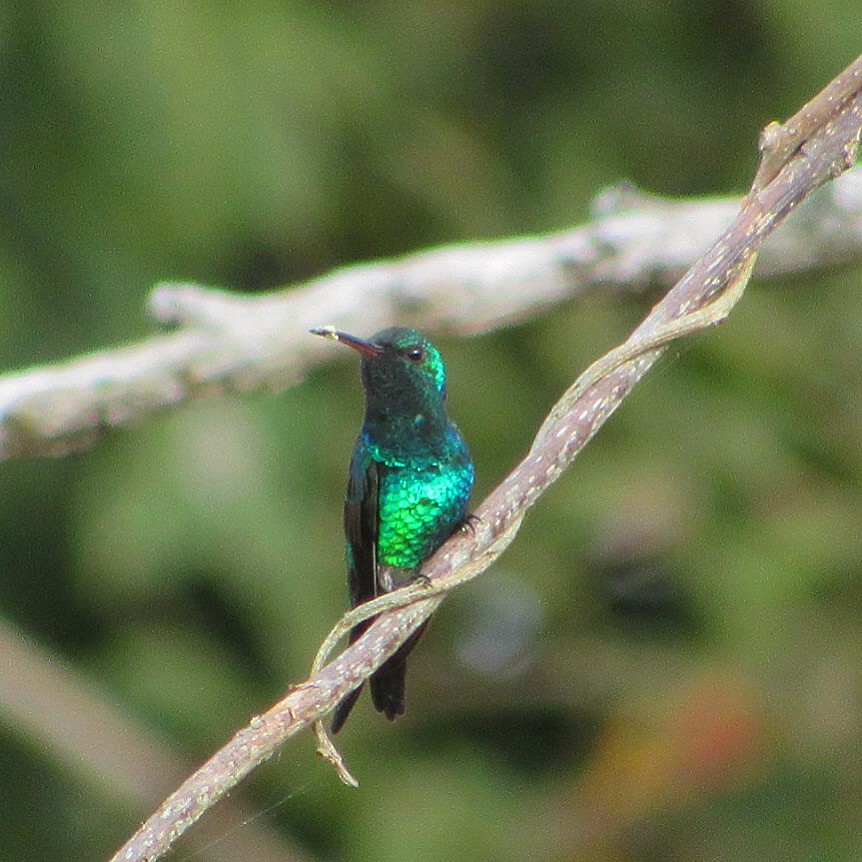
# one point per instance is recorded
(778, 142)
(829, 149)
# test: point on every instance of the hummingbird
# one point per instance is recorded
(407, 489)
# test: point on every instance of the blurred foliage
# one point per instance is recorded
(667, 664)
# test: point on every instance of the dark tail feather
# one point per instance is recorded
(387, 683)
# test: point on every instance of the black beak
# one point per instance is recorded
(360, 345)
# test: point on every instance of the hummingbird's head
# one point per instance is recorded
(401, 369)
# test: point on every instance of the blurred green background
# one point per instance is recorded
(667, 664)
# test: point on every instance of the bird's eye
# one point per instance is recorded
(415, 354)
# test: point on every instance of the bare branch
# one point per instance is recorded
(778, 142)
(228, 341)
(828, 149)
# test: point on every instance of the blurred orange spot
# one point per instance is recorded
(708, 739)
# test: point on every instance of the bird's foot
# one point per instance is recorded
(469, 524)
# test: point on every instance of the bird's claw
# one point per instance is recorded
(469, 524)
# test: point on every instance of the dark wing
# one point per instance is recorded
(360, 530)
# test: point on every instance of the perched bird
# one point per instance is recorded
(408, 488)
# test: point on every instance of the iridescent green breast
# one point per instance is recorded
(419, 506)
